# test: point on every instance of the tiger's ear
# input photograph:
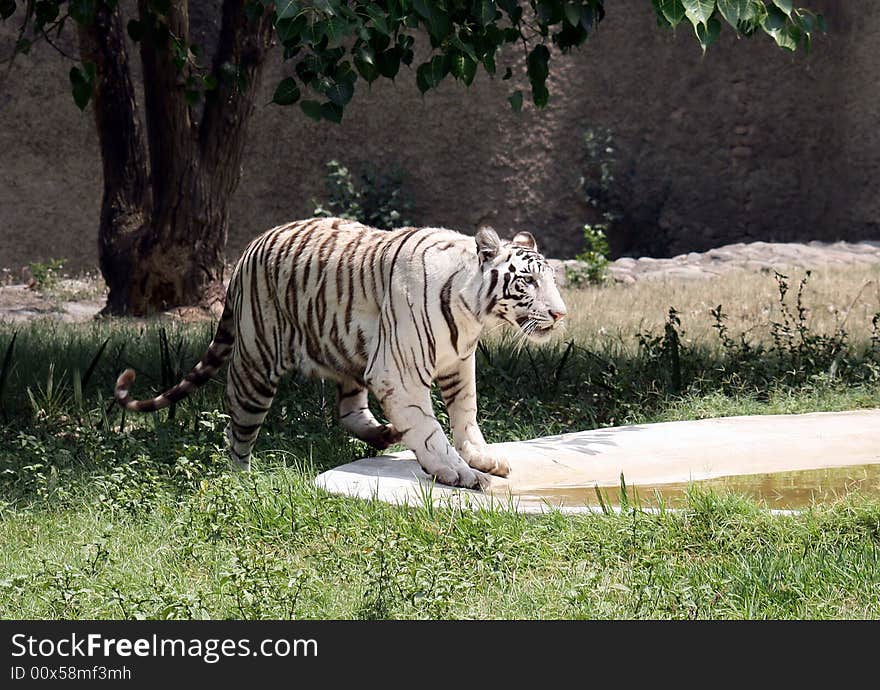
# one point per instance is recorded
(488, 243)
(525, 239)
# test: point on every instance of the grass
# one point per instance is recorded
(105, 517)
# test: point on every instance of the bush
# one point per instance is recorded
(373, 198)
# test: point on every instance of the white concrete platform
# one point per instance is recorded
(544, 470)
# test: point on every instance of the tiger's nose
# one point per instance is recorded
(557, 315)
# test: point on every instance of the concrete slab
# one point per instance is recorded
(543, 470)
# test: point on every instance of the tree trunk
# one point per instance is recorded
(181, 259)
(125, 211)
(162, 242)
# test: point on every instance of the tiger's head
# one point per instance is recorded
(518, 284)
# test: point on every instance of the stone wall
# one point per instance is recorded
(746, 143)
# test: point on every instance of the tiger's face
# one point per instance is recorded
(519, 285)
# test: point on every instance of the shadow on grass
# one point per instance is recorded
(62, 430)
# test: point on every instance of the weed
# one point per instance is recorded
(46, 275)
(593, 267)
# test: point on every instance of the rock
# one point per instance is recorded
(764, 257)
(626, 262)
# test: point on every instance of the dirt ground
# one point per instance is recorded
(78, 299)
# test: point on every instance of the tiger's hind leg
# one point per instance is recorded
(355, 417)
(249, 394)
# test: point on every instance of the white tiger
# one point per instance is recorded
(383, 311)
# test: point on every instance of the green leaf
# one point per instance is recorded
(708, 33)
(516, 101)
(81, 81)
(286, 9)
(486, 12)
(540, 95)
(755, 15)
(774, 21)
(698, 11)
(435, 18)
(335, 30)
(331, 112)
(786, 34)
(291, 30)
(340, 93)
(388, 63)
(537, 64)
(45, 12)
(670, 10)
(423, 7)
(573, 12)
(734, 11)
(784, 5)
(462, 67)
(466, 48)
(549, 12)
(378, 17)
(489, 61)
(82, 11)
(512, 8)
(806, 21)
(312, 109)
(430, 74)
(7, 8)
(537, 68)
(192, 96)
(365, 64)
(287, 92)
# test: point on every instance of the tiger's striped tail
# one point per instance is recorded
(218, 352)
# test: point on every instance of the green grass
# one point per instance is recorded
(102, 517)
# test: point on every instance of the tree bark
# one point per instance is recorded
(163, 234)
(196, 167)
(125, 208)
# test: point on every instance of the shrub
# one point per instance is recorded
(372, 197)
(593, 258)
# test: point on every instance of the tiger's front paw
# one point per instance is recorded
(485, 459)
(462, 476)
